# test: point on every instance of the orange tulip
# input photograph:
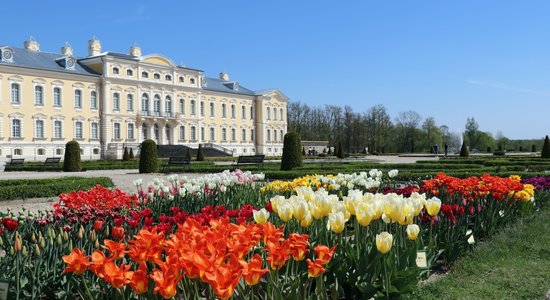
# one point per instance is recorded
(272, 233)
(323, 253)
(98, 260)
(140, 280)
(117, 250)
(279, 253)
(252, 271)
(315, 268)
(77, 262)
(165, 284)
(298, 246)
(117, 276)
(225, 278)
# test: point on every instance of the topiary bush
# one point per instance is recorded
(126, 155)
(131, 154)
(72, 161)
(148, 159)
(340, 153)
(533, 148)
(545, 153)
(188, 153)
(200, 153)
(292, 156)
(464, 150)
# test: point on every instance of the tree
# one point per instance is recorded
(131, 154)
(379, 126)
(545, 153)
(407, 123)
(292, 156)
(533, 148)
(71, 161)
(126, 155)
(200, 153)
(340, 153)
(148, 158)
(464, 150)
(472, 132)
(188, 153)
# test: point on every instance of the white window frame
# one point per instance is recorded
(130, 131)
(93, 99)
(77, 98)
(13, 95)
(129, 102)
(39, 101)
(116, 131)
(78, 135)
(116, 101)
(39, 134)
(60, 104)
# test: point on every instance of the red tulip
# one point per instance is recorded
(117, 233)
(98, 224)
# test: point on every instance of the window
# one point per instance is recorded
(144, 131)
(181, 79)
(281, 136)
(116, 131)
(156, 76)
(77, 98)
(224, 111)
(274, 113)
(202, 134)
(212, 109)
(95, 151)
(94, 131)
(130, 102)
(156, 105)
(243, 112)
(182, 106)
(116, 101)
(116, 71)
(182, 132)
(15, 94)
(130, 133)
(193, 133)
(212, 134)
(16, 128)
(57, 97)
(41, 151)
(252, 134)
(243, 135)
(281, 114)
(193, 107)
(156, 132)
(78, 130)
(57, 130)
(269, 135)
(129, 72)
(274, 135)
(232, 111)
(202, 109)
(168, 77)
(252, 112)
(145, 103)
(18, 151)
(144, 74)
(192, 80)
(233, 135)
(39, 129)
(58, 151)
(268, 114)
(93, 100)
(168, 106)
(224, 134)
(167, 134)
(38, 95)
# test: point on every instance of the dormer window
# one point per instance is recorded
(6, 54)
(68, 62)
(129, 72)
(156, 76)
(144, 74)
(116, 71)
(181, 79)
(168, 78)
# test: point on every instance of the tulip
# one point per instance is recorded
(307, 220)
(393, 173)
(384, 242)
(98, 224)
(261, 216)
(118, 232)
(315, 268)
(285, 211)
(36, 250)
(433, 205)
(336, 222)
(412, 231)
(300, 209)
(18, 244)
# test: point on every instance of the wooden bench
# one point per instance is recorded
(257, 160)
(51, 162)
(16, 164)
(184, 162)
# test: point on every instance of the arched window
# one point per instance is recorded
(156, 76)
(243, 112)
(274, 135)
(156, 105)
(252, 112)
(202, 108)
(16, 128)
(274, 113)
(156, 132)
(182, 133)
(224, 134)
(38, 95)
(212, 134)
(192, 80)
(144, 74)
(212, 109)
(116, 71)
(232, 111)
(167, 133)
(15, 93)
(77, 98)
(129, 72)
(145, 104)
(252, 135)
(182, 106)
(233, 135)
(224, 110)
(168, 77)
(269, 135)
(57, 97)
(193, 107)
(193, 133)
(268, 113)
(181, 79)
(282, 136)
(243, 135)
(168, 106)
(281, 114)
(144, 131)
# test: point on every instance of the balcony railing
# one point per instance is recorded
(144, 113)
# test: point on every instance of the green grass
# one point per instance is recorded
(514, 264)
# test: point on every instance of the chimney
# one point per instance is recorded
(94, 47)
(224, 76)
(32, 45)
(135, 50)
(67, 50)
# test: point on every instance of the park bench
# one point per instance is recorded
(51, 162)
(16, 164)
(257, 160)
(184, 162)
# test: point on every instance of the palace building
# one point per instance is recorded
(108, 100)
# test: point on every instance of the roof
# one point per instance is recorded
(44, 61)
(218, 85)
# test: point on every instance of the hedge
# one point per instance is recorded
(20, 189)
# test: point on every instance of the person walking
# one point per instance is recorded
(436, 150)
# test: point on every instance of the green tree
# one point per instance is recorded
(71, 161)
(126, 155)
(148, 158)
(340, 153)
(472, 133)
(545, 153)
(292, 156)
(200, 153)
(464, 150)
(188, 153)
(131, 154)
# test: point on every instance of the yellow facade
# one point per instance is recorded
(138, 97)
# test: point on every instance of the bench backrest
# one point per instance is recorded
(17, 161)
(52, 160)
(178, 160)
(251, 159)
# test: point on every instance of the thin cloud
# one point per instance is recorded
(502, 86)
(137, 15)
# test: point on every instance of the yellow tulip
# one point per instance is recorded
(300, 208)
(433, 205)
(307, 220)
(261, 216)
(275, 202)
(285, 211)
(336, 222)
(364, 214)
(412, 231)
(384, 242)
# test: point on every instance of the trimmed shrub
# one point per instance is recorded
(200, 153)
(464, 150)
(188, 154)
(131, 154)
(148, 160)
(340, 153)
(38, 188)
(533, 148)
(126, 155)
(499, 153)
(72, 161)
(292, 156)
(303, 151)
(545, 153)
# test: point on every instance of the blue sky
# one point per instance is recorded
(447, 59)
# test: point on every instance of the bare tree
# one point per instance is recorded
(407, 123)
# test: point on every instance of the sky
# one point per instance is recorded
(446, 59)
